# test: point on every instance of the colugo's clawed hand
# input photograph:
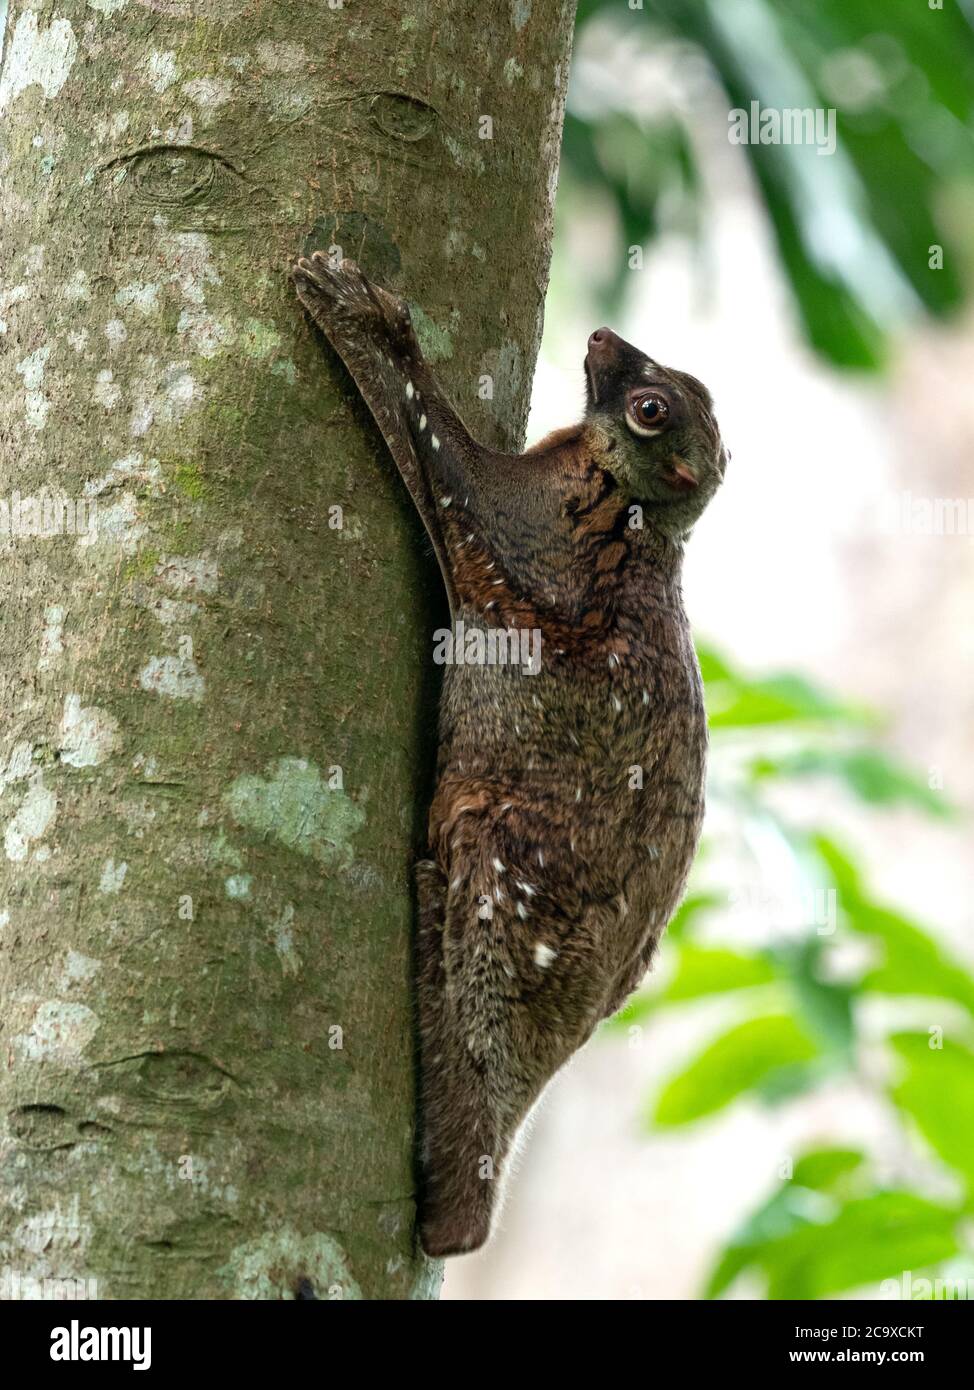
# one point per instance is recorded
(321, 278)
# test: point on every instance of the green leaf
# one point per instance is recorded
(736, 1063)
(736, 700)
(782, 699)
(694, 905)
(825, 1169)
(705, 970)
(841, 866)
(713, 667)
(938, 1091)
(825, 1005)
(700, 971)
(912, 962)
(872, 775)
(829, 1249)
(870, 1239)
(788, 1208)
(731, 1262)
(796, 1079)
(646, 167)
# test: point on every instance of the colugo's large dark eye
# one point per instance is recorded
(648, 412)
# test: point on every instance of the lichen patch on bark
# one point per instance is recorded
(88, 735)
(34, 818)
(60, 1032)
(44, 56)
(279, 1264)
(294, 804)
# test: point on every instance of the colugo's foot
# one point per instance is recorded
(338, 295)
(453, 1233)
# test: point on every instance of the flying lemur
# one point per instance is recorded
(568, 802)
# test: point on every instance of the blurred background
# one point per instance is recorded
(786, 1110)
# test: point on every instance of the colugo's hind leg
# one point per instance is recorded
(458, 1142)
(477, 1083)
(471, 1117)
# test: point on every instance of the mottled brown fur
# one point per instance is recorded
(551, 873)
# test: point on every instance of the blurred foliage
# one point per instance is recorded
(842, 989)
(797, 1015)
(854, 229)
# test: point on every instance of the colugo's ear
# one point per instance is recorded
(682, 477)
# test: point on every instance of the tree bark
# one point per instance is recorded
(216, 689)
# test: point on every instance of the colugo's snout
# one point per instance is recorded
(611, 364)
(603, 352)
(602, 340)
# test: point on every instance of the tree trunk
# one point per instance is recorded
(215, 679)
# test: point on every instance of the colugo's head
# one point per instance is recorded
(663, 443)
